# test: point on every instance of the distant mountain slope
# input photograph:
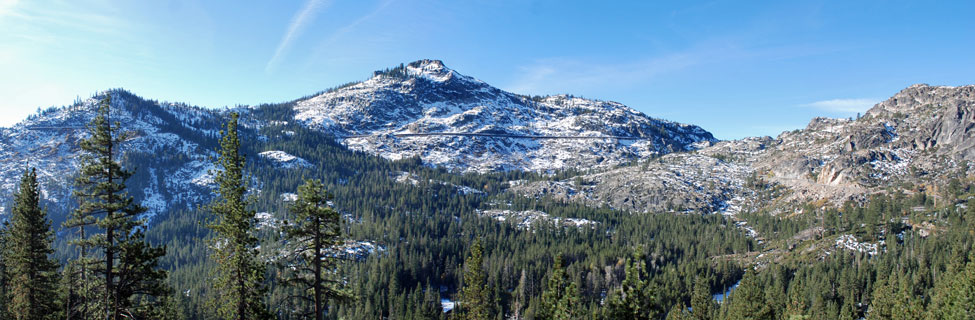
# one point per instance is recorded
(427, 97)
(922, 137)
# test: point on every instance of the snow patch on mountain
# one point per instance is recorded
(266, 220)
(850, 243)
(284, 159)
(413, 179)
(528, 218)
(170, 167)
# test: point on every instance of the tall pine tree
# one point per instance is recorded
(634, 299)
(239, 288)
(115, 252)
(703, 306)
(32, 273)
(474, 304)
(748, 301)
(3, 273)
(315, 231)
(561, 296)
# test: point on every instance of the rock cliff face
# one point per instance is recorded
(414, 111)
(921, 134)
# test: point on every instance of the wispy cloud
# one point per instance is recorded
(7, 7)
(843, 105)
(351, 26)
(556, 75)
(326, 46)
(568, 74)
(298, 23)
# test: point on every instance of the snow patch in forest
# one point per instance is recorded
(358, 250)
(446, 304)
(720, 296)
(849, 242)
(525, 219)
(266, 220)
(285, 160)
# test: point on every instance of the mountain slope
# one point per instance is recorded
(426, 97)
(921, 138)
(922, 135)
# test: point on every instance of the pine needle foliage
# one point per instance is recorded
(315, 231)
(111, 239)
(474, 302)
(561, 296)
(32, 273)
(239, 288)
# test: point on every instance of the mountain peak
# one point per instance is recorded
(427, 63)
(433, 70)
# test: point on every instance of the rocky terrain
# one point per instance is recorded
(920, 137)
(680, 182)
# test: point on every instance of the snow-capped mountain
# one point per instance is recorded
(448, 119)
(168, 146)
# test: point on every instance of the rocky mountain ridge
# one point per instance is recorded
(391, 114)
(920, 138)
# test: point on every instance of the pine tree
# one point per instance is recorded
(894, 300)
(748, 300)
(72, 291)
(474, 302)
(125, 265)
(3, 273)
(702, 302)
(679, 312)
(796, 309)
(32, 273)
(560, 298)
(955, 297)
(315, 230)
(239, 289)
(634, 299)
(431, 303)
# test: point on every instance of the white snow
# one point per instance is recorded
(266, 220)
(849, 242)
(719, 297)
(526, 219)
(285, 159)
(446, 305)
(362, 111)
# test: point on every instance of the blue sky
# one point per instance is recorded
(736, 68)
